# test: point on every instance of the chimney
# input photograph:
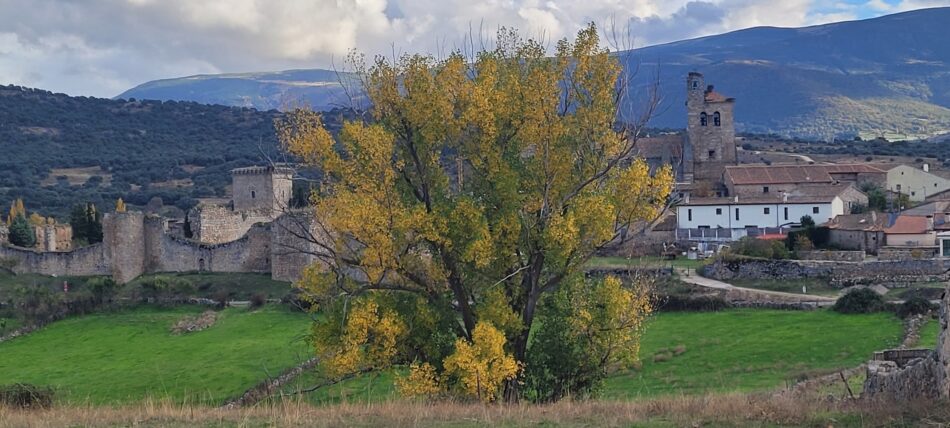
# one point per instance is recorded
(946, 218)
(926, 167)
(686, 197)
(930, 222)
(785, 197)
(737, 199)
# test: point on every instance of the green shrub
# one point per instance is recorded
(860, 301)
(26, 396)
(915, 306)
(761, 248)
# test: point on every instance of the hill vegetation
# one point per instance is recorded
(59, 151)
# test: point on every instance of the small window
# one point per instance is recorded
(814, 210)
(737, 214)
(689, 215)
(786, 213)
(712, 154)
(765, 210)
(718, 211)
(913, 193)
(765, 189)
(702, 119)
(898, 187)
(695, 84)
(716, 121)
(253, 194)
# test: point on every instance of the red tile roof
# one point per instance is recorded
(909, 225)
(781, 174)
(716, 97)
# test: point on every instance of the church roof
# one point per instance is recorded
(783, 174)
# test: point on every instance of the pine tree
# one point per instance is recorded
(21, 233)
(94, 222)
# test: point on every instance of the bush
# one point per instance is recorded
(26, 396)
(257, 300)
(766, 249)
(915, 306)
(679, 303)
(860, 301)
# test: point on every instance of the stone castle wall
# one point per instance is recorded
(86, 261)
(251, 253)
(293, 246)
(217, 224)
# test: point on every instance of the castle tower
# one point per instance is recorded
(262, 188)
(710, 130)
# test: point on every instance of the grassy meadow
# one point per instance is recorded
(128, 356)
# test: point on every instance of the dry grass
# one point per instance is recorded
(76, 176)
(717, 410)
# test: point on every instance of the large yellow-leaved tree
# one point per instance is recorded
(477, 188)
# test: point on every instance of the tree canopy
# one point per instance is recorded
(479, 187)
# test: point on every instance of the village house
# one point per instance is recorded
(730, 218)
(917, 184)
(858, 232)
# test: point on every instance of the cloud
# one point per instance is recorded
(102, 47)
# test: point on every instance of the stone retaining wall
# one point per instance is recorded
(837, 273)
(839, 256)
(906, 253)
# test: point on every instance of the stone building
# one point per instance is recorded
(710, 132)
(754, 180)
(254, 233)
(858, 232)
(259, 195)
(53, 237)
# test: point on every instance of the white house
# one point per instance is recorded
(731, 218)
(917, 184)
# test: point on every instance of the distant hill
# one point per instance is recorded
(887, 75)
(318, 89)
(57, 150)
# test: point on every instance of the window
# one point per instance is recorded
(765, 189)
(252, 194)
(718, 211)
(814, 210)
(898, 187)
(737, 214)
(765, 210)
(786, 213)
(712, 154)
(695, 84)
(689, 215)
(702, 119)
(716, 121)
(913, 193)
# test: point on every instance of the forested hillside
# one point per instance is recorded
(58, 150)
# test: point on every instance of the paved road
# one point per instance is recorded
(692, 278)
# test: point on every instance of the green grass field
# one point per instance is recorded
(736, 350)
(747, 350)
(127, 356)
(928, 334)
(649, 261)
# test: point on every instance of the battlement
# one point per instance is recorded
(263, 170)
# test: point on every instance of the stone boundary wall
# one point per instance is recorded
(839, 274)
(838, 256)
(85, 261)
(906, 253)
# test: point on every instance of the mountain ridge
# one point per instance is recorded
(884, 75)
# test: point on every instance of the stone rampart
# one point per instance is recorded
(250, 253)
(218, 224)
(838, 273)
(85, 261)
(837, 256)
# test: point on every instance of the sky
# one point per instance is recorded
(103, 47)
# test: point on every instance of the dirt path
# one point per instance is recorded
(693, 278)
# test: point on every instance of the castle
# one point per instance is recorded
(255, 232)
